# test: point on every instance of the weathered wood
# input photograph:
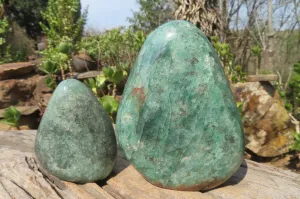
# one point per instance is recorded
(261, 78)
(130, 184)
(19, 180)
(87, 75)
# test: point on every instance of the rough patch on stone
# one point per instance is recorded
(76, 140)
(178, 123)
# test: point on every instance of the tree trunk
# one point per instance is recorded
(202, 13)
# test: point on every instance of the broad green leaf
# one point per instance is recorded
(100, 81)
(108, 72)
(118, 77)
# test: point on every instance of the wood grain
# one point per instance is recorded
(19, 181)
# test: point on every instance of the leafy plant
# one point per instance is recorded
(49, 67)
(296, 145)
(27, 14)
(115, 51)
(117, 47)
(110, 76)
(64, 30)
(96, 84)
(237, 74)
(53, 61)
(5, 54)
(11, 117)
(50, 82)
(240, 105)
(234, 73)
(293, 96)
(64, 19)
(256, 50)
(110, 104)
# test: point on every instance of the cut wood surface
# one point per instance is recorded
(20, 178)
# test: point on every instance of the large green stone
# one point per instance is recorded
(76, 140)
(178, 123)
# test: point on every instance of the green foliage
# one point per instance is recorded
(5, 54)
(152, 14)
(240, 105)
(115, 50)
(110, 104)
(288, 106)
(50, 82)
(256, 50)
(11, 116)
(294, 93)
(235, 73)
(296, 145)
(49, 67)
(27, 13)
(64, 47)
(4, 29)
(64, 20)
(113, 75)
(110, 77)
(53, 60)
(117, 47)
(96, 83)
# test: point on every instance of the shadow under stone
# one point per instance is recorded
(236, 178)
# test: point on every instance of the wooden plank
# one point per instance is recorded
(255, 180)
(86, 75)
(261, 78)
(252, 180)
(19, 140)
(19, 180)
(131, 185)
(96, 191)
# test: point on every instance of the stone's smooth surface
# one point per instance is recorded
(178, 123)
(76, 140)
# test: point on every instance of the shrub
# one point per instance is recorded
(117, 47)
(64, 20)
(11, 117)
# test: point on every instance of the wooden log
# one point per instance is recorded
(20, 179)
(86, 75)
(261, 78)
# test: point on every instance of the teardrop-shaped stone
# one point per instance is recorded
(178, 123)
(75, 140)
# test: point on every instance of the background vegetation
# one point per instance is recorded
(250, 37)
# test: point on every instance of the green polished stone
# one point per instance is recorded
(75, 140)
(178, 123)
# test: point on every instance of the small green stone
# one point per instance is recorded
(75, 140)
(178, 123)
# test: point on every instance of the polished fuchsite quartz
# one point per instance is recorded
(178, 123)
(76, 140)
